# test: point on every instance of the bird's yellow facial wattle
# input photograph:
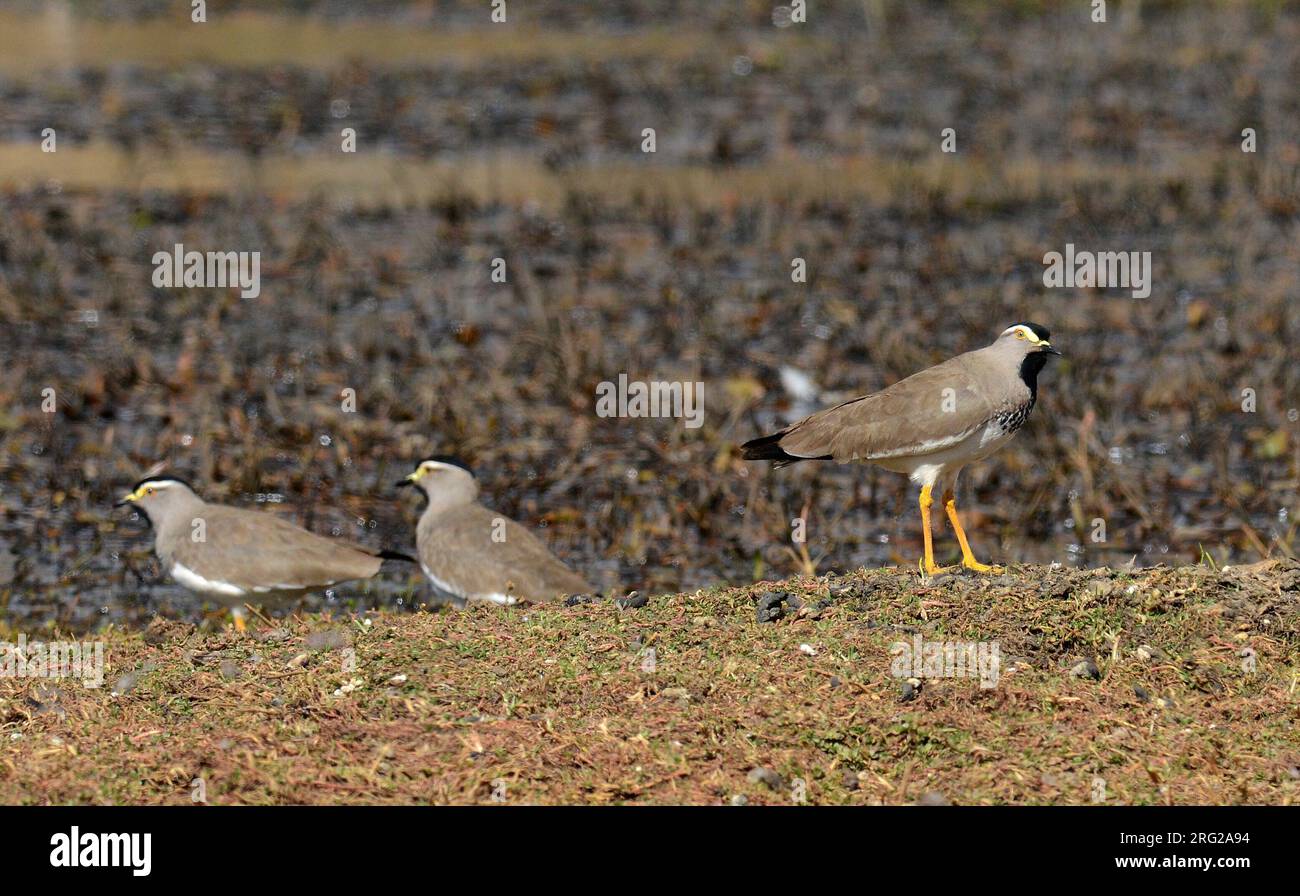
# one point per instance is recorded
(1026, 334)
(142, 492)
(420, 472)
(440, 470)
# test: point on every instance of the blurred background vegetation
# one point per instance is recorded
(522, 140)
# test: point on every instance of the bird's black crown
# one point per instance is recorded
(162, 477)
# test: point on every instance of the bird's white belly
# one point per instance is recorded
(503, 599)
(925, 469)
(195, 582)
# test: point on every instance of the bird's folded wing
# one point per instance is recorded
(492, 553)
(927, 412)
(258, 551)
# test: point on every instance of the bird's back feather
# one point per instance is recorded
(927, 412)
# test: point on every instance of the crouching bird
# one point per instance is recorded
(929, 425)
(233, 555)
(471, 553)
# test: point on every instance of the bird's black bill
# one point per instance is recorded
(403, 484)
(1052, 351)
(122, 503)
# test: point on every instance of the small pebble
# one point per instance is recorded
(763, 775)
(633, 601)
(771, 605)
(329, 639)
(1150, 654)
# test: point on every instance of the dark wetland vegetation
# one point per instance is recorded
(1147, 511)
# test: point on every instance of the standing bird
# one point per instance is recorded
(231, 554)
(470, 553)
(929, 425)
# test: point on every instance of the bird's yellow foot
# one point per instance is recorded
(240, 625)
(975, 566)
(931, 569)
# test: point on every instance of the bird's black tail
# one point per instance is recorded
(765, 448)
(769, 448)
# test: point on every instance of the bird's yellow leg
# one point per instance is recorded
(928, 565)
(967, 558)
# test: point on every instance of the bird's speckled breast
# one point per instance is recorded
(1010, 420)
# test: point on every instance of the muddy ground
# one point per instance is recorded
(523, 143)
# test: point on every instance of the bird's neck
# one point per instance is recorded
(179, 520)
(444, 501)
(1029, 370)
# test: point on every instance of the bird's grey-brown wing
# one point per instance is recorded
(257, 551)
(926, 412)
(478, 553)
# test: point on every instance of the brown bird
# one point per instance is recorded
(232, 555)
(929, 425)
(471, 553)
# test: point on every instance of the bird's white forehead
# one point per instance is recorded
(437, 465)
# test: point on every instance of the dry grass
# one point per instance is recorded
(35, 43)
(557, 705)
(374, 180)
